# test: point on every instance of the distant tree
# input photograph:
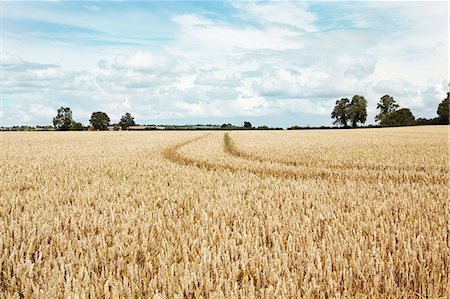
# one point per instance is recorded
(358, 110)
(427, 121)
(399, 117)
(442, 110)
(247, 124)
(76, 126)
(386, 105)
(99, 120)
(63, 120)
(126, 121)
(341, 112)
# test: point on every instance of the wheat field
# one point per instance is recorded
(240, 214)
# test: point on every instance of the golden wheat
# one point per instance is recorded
(341, 213)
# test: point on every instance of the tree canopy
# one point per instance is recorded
(399, 117)
(77, 126)
(386, 105)
(390, 116)
(126, 121)
(354, 111)
(99, 120)
(358, 110)
(63, 120)
(442, 110)
(341, 112)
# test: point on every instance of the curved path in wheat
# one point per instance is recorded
(215, 151)
(384, 172)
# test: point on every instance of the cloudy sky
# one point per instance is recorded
(274, 63)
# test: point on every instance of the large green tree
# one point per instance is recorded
(99, 120)
(358, 110)
(340, 112)
(126, 121)
(63, 120)
(386, 105)
(442, 110)
(399, 117)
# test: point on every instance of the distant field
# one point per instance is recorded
(275, 214)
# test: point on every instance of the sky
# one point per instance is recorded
(276, 63)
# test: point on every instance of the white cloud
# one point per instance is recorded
(48, 74)
(396, 87)
(217, 37)
(7, 59)
(27, 113)
(143, 61)
(293, 14)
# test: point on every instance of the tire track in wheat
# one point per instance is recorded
(232, 149)
(382, 172)
(172, 154)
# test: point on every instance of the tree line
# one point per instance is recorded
(99, 120)
(348, 113)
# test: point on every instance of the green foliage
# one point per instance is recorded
(390, 116)
(63, 120)
(341, 112)
(99, 120)
(76, 126)
(386, 105)
(442, 110)
(358, 110)
(427, 121)
(126, 121)
(247, 124)
(399, 117)
(354, 112)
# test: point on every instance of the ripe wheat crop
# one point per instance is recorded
(323, 214)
